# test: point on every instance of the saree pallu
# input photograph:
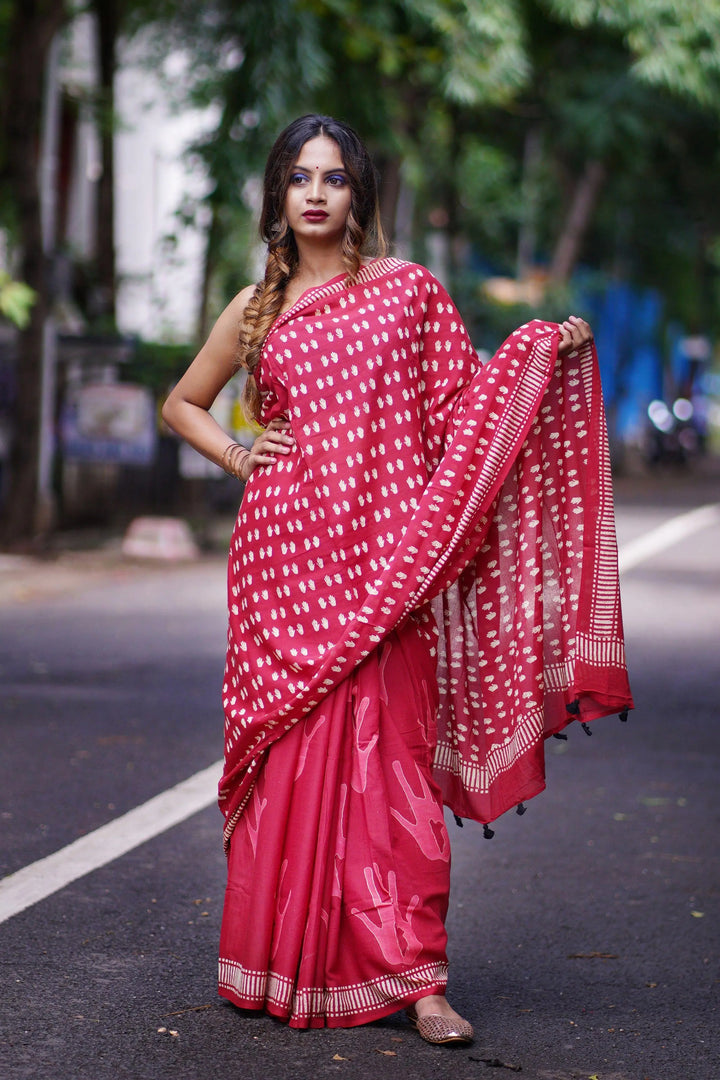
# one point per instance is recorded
(339, 868)
(421, 481)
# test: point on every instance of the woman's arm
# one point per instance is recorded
(186, 410)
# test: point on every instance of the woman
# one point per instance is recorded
(422, 587)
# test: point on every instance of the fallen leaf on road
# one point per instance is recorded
(387, 1053)
(336, 1057)
(698, 914)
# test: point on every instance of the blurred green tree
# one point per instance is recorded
(673, 45)
(526, 127)
(378, 64)
(531, 131)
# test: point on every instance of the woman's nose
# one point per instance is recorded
(315, 190)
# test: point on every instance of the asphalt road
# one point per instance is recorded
(583, 937)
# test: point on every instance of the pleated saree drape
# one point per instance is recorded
(420, 593)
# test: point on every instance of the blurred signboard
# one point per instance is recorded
(109, 422)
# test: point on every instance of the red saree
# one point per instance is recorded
(339, 867)
(418, 481)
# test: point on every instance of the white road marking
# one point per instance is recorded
(667, 534)
(46, 876)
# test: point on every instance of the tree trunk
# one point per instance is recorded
(107, 13)
(452, 200)
(567, 249)
(212, 241)
(527, 233)
(32, 28)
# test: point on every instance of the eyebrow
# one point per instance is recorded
(326, 172)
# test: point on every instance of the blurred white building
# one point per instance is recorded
(159, 258)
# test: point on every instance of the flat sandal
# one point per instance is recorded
(441, 1030)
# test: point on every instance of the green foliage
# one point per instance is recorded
(16, 300)
(488, 190)
(456, 91)
(675, 43)
(482, 49)
(414, 52)
(256, 65)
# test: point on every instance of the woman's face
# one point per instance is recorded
(318, 197)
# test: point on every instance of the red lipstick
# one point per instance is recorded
(315, 215)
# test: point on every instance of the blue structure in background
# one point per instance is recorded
(657, 382)
(644, 359)
(628, 324)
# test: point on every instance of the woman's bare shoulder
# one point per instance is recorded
(223, 337)
(239, 303)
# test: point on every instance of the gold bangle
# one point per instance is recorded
(233, 458)
(226, 457)
(240, 467)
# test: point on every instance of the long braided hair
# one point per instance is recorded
(363, 235)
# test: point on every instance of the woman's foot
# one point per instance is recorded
(437, 1022)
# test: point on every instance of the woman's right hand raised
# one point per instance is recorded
(574, 333)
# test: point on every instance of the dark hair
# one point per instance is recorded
(363, 230)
